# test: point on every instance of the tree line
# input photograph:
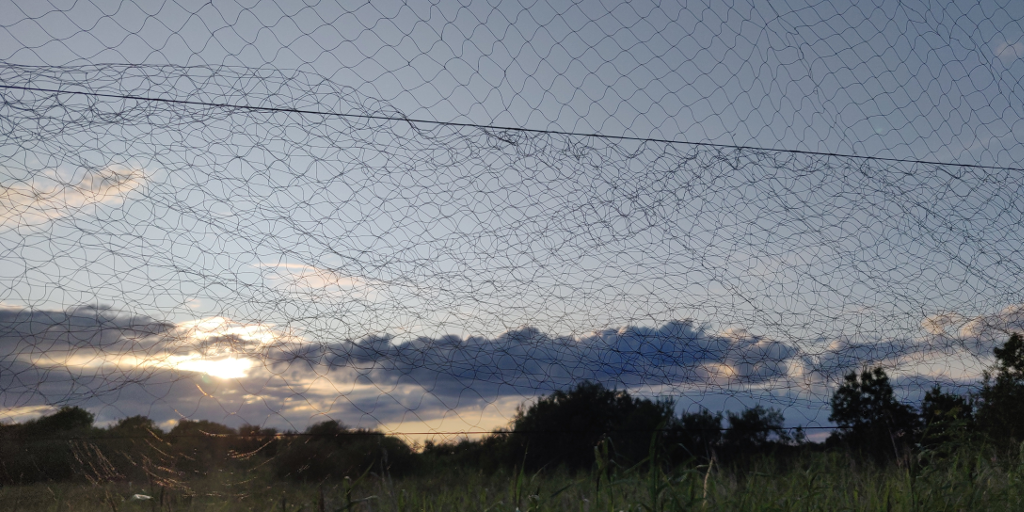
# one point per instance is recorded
(574, 429)
(872, 423)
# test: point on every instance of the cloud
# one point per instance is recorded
(22, 414)
(1009, 52)
(527, 362)
(56, 357)
(218, 369)
(980, 334)
(308, 280)
(952, 346)
(995, 326)
(942, 323)
(90, 354)
(69, 357)
(46, 196)
(847, 354)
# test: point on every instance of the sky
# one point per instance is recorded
(353, 260)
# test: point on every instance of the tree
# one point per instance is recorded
(41, 449)
(489, 454)
(1001, 400)
(201, 445)
(254, 439)
(329, 450)
(67, 419)
(869, 418)
(947, 417)
(136, 423)
(135, 449)
(565, 427)
(941, 406)
(752, 429)
(695, 434)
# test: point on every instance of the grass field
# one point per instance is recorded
(814, 482)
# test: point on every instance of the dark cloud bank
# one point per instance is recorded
(85, 356)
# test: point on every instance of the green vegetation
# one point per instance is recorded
(1001, 412)
(823, 481)
(586, 448)
(870, 420)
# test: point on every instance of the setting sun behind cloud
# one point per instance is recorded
(226, 368)
(220, 347)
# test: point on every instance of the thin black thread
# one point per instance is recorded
(538, 131)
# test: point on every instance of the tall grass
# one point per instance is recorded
(829, 481)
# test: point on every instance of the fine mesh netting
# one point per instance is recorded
(418, 217)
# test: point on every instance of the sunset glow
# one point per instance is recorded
(226, 368)
(207, 328)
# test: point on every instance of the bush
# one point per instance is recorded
(329, 450)
(41, 450)
(200, 446)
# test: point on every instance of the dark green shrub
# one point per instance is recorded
(328, 450)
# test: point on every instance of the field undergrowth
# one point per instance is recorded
(814, 482)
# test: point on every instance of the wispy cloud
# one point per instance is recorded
(952, 346)
(1009, 52)
(308, 280)
(43, 197)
